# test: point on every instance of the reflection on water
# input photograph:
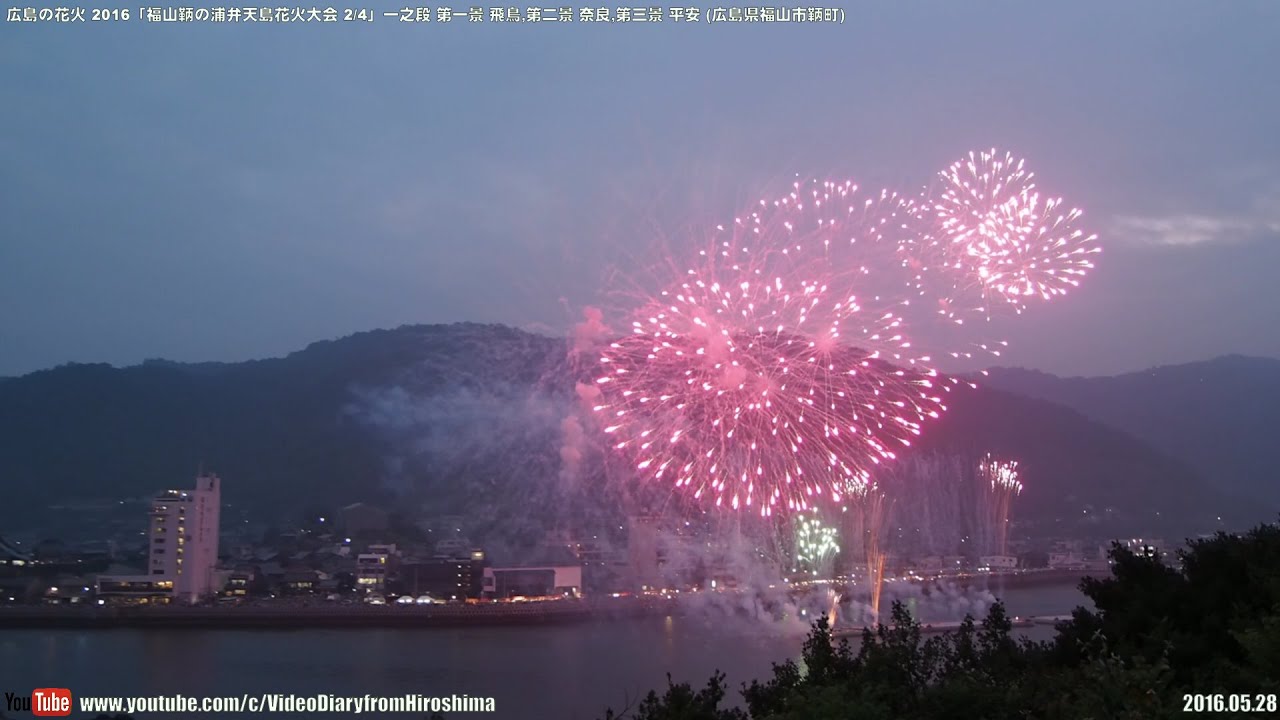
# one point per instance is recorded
(563, 671)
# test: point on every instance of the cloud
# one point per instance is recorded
(1194, 229)
(482, 196)
(1182, 230)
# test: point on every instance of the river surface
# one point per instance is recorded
(569, 672)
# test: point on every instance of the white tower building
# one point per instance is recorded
(184, 538)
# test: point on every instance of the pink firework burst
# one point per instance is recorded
(783, 367)
(761, 380)
(1001, 236)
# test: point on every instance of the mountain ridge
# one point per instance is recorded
(1236, 359)
(465, 419)
(1217, 415)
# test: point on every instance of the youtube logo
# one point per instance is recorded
(42, 702)
(51, 702)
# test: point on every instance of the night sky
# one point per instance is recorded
(203, 192)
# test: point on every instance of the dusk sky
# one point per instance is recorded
(204, 192)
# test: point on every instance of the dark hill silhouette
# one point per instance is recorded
(466, 419)
(1220, 416)
(1077, 471)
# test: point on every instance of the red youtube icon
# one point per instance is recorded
(50, 702)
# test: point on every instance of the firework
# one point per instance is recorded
(833, 607)
(762, 380)
(1004, 485)
(866, 516)
(786, 363)
(816, 545)
(1000, 236)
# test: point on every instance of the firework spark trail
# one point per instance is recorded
(786, 363)
(1004, 485)
(868, 515)
(833, 607)
(933, 509)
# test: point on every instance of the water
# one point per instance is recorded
(565, 671)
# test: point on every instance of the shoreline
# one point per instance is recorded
(297, 617)
(340, 616)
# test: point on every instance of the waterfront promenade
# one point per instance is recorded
(288, 615)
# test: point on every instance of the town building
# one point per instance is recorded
(237, 585)
(300, 582)
(1066, 560)
(997, 563)
(444, 578)
(182, 549)
(550, 581)
(375, 566)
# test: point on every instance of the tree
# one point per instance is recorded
(682, 702)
